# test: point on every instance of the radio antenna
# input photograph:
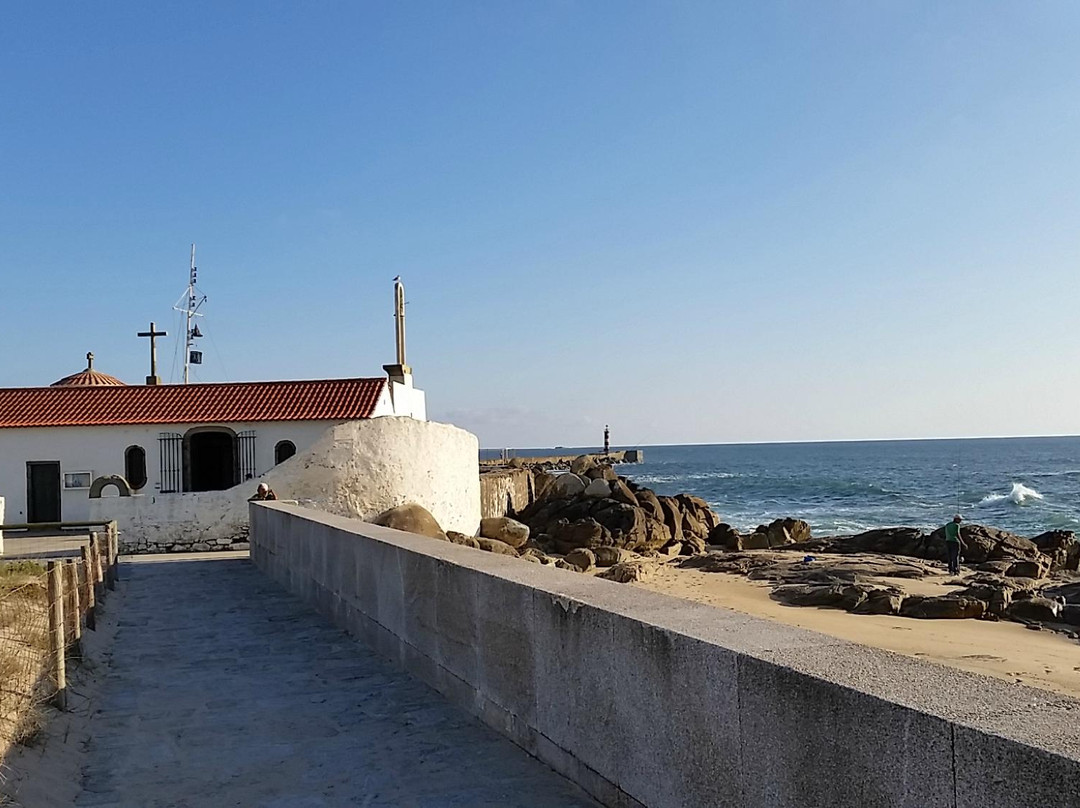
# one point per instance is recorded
(192, 300)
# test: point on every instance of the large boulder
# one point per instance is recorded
(1061, 546)
(581, 465)
(462, 539)
(649, 502)
(1034, 609)
(982, 543)
(496, 546)
(628, 571)
(610, 556)
(620, 492)
(724, 535)
(411, 518)
(672, 517)
(542, 485)
(946, 607)
(583, 533)
(598, 489)
(568, 485)
(1070, 592)
(504, 529)
(581, 558)
(881, 601)
(1028, 569)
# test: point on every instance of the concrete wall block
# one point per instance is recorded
(419, 593)
(506, 658)
(1005, 774)
(798, 733)
(456, 620)
(570, 704)
(655, 707)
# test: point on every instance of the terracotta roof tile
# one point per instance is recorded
(323, 399)
(88, 378)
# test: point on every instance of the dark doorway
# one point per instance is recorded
(42, 491)
(211, 461)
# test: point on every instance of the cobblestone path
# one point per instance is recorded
(223, 690)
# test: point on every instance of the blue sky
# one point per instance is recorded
(698, 222)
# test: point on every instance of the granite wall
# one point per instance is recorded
(645, 699)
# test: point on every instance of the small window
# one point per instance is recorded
(283, 451)
(135, 466)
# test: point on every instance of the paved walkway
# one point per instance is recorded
(223, 690)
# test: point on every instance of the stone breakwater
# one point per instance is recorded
(592, 520)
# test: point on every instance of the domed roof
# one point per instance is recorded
(89, 377)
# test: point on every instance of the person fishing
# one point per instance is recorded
(954, 544)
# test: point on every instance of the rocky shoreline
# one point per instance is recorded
(591, 520)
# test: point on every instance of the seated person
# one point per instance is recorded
(263, 492)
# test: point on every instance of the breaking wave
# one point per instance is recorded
(1019, 494)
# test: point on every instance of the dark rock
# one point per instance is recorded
(496, 546)
(724, 535)
(411, 518)
(880, 601)
(1034, 609)
(609, 556)
(649, 502)
(1061, 546)
(1028, 569)
(1070, 593)
(582, 558)
(620, 492)
(672, 517)
(628, 571)
(581, 465)
(462, 539)
(583, 533)
(1070, 613)
(787, 531)
(542, 485)
(809, 595)
(946, 607)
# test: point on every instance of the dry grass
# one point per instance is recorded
(24, 625)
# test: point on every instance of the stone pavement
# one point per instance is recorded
(223, 690)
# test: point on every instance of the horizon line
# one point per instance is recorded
(622, 447)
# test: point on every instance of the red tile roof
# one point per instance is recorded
(324, 399)
(88, 378)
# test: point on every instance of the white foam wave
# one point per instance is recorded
(1019, 494)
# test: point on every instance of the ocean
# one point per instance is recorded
(1024, 485)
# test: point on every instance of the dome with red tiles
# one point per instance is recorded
(89, 377)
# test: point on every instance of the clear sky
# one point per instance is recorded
(698, 222)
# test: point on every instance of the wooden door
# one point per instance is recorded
(42, 491)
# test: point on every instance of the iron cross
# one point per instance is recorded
(153, 333)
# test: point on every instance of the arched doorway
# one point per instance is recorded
(210, 459)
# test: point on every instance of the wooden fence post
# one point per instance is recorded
(56, 632)
(88, 588)
(95, 567)
(114, 533)
(71, 606)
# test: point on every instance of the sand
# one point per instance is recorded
(1004, 649)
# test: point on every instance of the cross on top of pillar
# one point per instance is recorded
(153, 334)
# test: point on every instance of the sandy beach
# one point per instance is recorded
(1005, 650)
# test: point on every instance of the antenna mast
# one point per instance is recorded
(193, 300)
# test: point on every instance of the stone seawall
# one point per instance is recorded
(645, 699)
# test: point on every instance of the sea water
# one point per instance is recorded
(1025, 485)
